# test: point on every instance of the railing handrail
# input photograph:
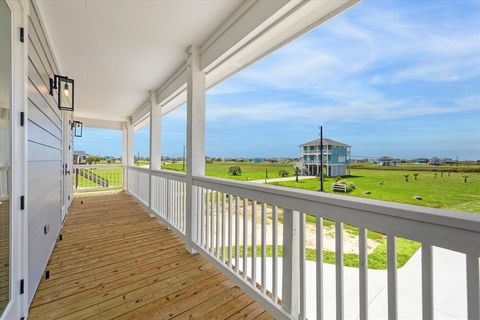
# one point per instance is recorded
(142, 169)
(168, 174)
(93, 166)
(452, 230)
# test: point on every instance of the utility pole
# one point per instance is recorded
(321, 159)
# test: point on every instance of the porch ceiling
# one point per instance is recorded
(117, 50)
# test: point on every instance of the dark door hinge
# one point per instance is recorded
(22, 118)
(22, 286)
(22, 202)
(22, 34)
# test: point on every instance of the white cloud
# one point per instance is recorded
(345, 111)
(348, 62)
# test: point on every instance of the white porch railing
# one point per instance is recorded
(169, 198)
(167, 194)
(97, 177)
(138, 183)
(236, 221)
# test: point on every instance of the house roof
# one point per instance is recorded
(326, 142)
(81, 153)
(386, 158)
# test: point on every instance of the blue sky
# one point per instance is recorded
(398, 78)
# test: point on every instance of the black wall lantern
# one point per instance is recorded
(65, 90)
(77, 127)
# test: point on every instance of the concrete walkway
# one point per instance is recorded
(283, 179)
(449, 277)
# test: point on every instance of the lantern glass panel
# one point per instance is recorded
(65, 93)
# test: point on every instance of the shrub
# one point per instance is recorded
(235, 171)
(283, 173)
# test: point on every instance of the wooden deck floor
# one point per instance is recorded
(115, 262)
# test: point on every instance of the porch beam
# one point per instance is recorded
(100, 123)
(195, 138)
(253, 31)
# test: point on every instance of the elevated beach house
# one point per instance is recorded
(178, 245)
(336, 157)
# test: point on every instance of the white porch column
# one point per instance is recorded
(195, 138)
(130, 145)
(155, 156)
(155, 132)
(124, 155)
(128, 149)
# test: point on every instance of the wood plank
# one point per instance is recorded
(115, 262)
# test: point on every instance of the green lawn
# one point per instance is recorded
(113, 175)
(446, 192)
(250, 170)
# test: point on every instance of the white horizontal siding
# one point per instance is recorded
(44, 155)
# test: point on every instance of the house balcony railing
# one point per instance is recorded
(235, 221)
(97, 177)
(316, 152)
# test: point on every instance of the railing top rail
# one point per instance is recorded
(453, 230)
(173, 175)
(143, 169)
(93, 166)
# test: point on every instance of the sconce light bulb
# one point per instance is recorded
(65, 90)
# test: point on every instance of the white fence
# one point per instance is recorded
(236, 221)
(97, 177)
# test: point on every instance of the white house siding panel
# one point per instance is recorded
(44, 155)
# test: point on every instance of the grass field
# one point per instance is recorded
(443, 191)
(113, 175)
(250, 170)
(461, 167)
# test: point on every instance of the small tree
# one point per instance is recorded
(299, 168)
(415, 175)
(297, 171)
(235, 171)
(284, 173)
(435, 175)
(441, 174)
(406, 177)
(465, 178)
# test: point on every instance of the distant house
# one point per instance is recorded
(387, 161)
(258, 160)
(80, 157)
(336, 157)
(448, 161)
(435, 161)
(421, 160)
